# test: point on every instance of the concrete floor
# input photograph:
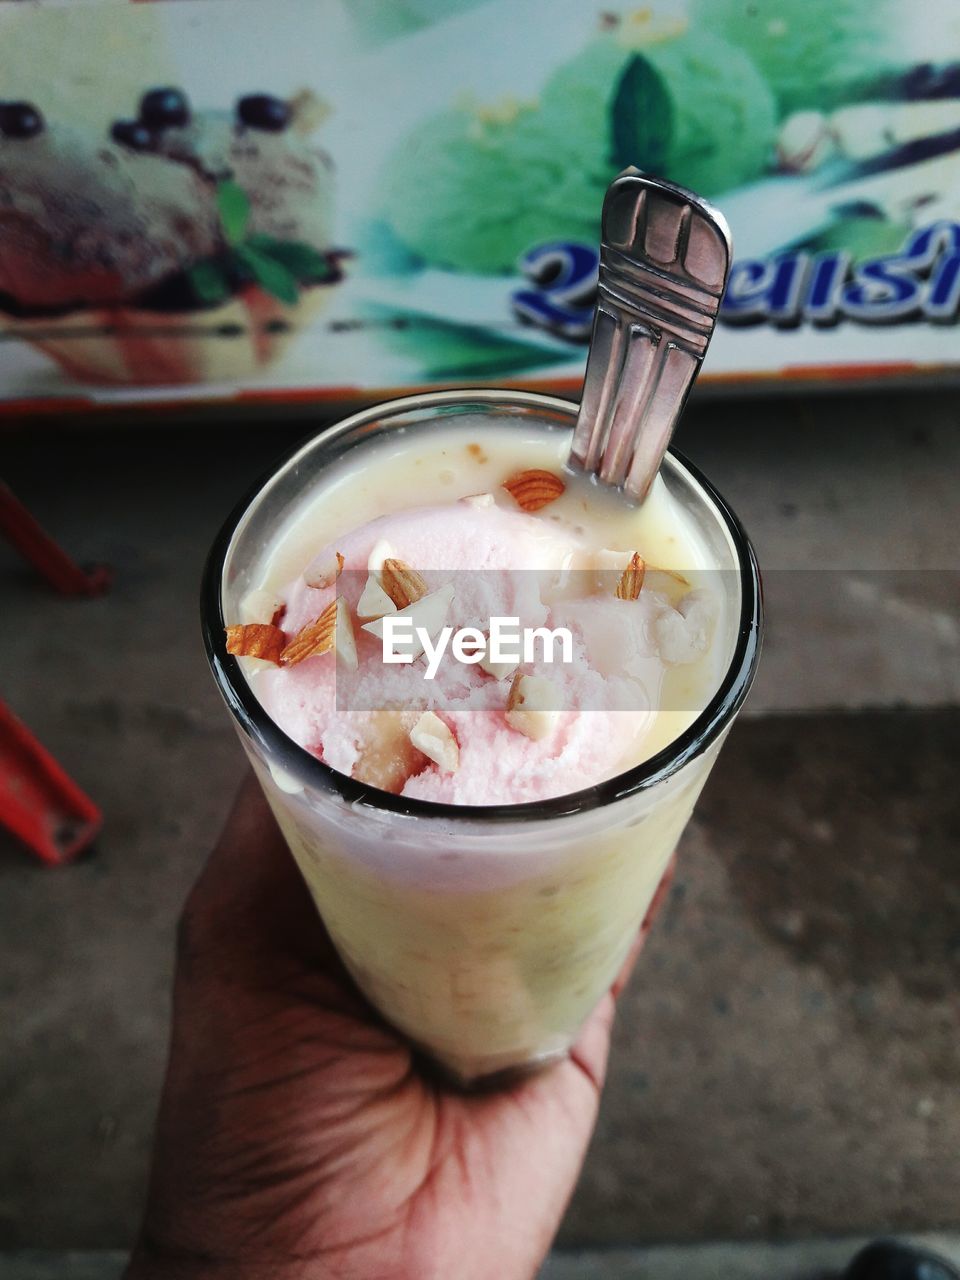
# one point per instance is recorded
(786, 1058)
(795, 1260)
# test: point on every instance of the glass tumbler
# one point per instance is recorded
(485, 934)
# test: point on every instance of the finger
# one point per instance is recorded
(654, 909)
(250, 900)
(626, 969)
(660, 897)
(592, 1047)
(250, 855)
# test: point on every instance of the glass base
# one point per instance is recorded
(481, 1075)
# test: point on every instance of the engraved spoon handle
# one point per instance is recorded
(664, 259)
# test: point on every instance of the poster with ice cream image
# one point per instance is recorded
(223, 199)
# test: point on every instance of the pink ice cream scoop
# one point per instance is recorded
(445, 729)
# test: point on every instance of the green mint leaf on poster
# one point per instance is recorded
(233, 204)
(209, 282)
(641, 118)
(269, 274)
(301, 260)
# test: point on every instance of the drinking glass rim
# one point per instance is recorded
(314, 773)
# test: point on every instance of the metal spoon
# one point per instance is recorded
(664, 259)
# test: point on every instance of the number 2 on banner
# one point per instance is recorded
(565, 293)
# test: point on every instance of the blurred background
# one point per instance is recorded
(204, 259)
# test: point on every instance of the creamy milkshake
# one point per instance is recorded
(482, 831)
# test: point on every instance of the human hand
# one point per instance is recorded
(299, 1137)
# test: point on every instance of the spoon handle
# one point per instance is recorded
(664, 260)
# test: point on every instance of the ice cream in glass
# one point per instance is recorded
(482, 826)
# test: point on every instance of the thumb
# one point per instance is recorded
(249, 904)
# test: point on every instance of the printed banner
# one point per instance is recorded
(219, 199)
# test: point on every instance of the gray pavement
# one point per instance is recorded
(795, 1260)
(785, 1057)
(785, 1060)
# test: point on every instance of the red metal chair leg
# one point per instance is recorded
(39, 802)
(39, 549)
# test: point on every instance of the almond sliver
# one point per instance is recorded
(435, 739)
(533, 489)
(430, 613)
(345, 642)
(256, 640)
(325, 572)
(259, 606)
(499, 670)
(374, 601)
(315, 638)
(631, 580)
(402, 584)
(381, 550)
(533, 705)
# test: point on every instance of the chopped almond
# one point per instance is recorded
(256, 640)
(374, 601)
(429, 613)
(260, 606)
(533, 489)
(326, 572)
(315, 638)
(344, 641)
(381, 550)
(435, 739)
(386, 755)
(499, 670)
(402, 584)
(606, 560)
(479, 500)
(631, 580)
(532, 705)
